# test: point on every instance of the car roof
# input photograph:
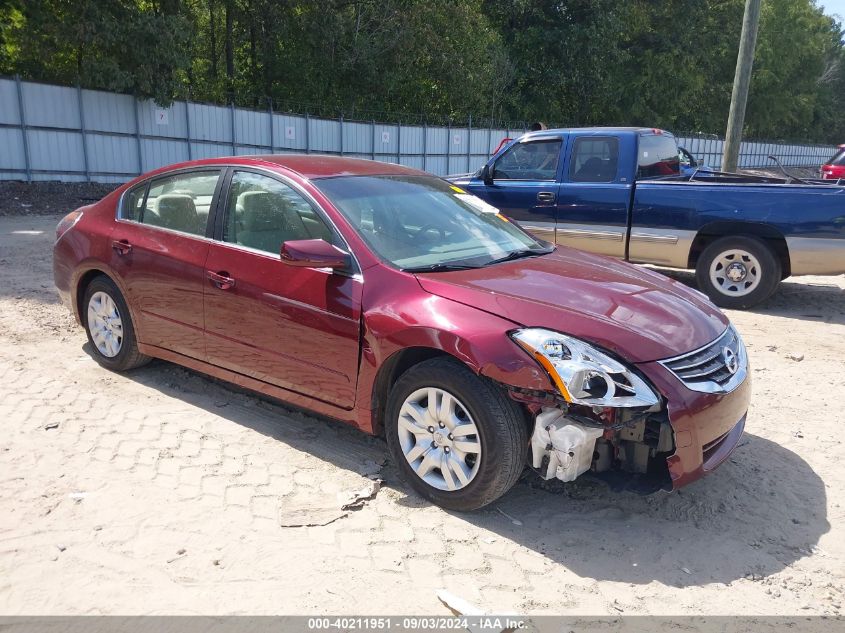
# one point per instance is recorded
(594, 131)
(641, 130)
(325, 166)
(310, 166)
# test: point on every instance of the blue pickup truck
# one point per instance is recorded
(619, 192)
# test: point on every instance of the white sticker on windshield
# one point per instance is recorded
(476, 202)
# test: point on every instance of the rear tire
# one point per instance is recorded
(738, 272)
(463, 447)
(109, 327)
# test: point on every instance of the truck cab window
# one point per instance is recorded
(657, 156)
(533, 160)
(594, 159)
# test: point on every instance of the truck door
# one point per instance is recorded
(523, 182)
(594, 197)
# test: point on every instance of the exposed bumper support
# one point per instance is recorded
(562, 447)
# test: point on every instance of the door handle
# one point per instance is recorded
(221, 279)
(546, 196)
(121, 247)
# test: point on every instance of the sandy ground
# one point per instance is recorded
(162, 491)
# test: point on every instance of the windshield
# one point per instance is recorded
(838, 158)
(419, 222)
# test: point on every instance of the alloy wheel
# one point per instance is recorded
(105, 324)
(439, 439)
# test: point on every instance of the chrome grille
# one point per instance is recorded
(718, 367)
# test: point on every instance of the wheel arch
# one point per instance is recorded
(392, 368)
(82, 284)
(773, 238)
(494, 357)
(83, 279)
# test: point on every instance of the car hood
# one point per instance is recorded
(639, 314)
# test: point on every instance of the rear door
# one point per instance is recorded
(159, 247)
(296, 328)
(593, 200)
(525, 184)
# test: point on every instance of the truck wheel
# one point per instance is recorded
(457, 438)
(738, 272)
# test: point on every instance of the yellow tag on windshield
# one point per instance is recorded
(457, 189)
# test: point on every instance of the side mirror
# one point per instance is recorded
(487, 174)
(314, 254)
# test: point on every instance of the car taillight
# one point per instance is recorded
(66, 223)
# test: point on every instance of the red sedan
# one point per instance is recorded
(834, 169)
(391, 300)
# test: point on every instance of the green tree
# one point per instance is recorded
(115, 45)
(569, 62)
(678, 68)
(797, 62)
(564, 56)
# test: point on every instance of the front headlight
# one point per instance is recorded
(583, 374)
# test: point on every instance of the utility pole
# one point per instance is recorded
(742, 79)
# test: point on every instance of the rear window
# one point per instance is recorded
(658, 156)
(838, 158)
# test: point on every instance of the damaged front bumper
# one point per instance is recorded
(707, 426)
(666, 447)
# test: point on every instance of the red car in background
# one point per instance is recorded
(834, 169)
(394, 301)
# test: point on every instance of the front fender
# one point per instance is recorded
(399, 315)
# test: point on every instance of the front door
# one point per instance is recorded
(296, 328)
(592, 203)
(159, 248)
(524, 185)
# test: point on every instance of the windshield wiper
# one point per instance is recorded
(438, 268)
(528, 252)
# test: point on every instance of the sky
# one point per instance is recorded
(834, 7)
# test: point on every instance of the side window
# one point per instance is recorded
(657, 156)
(594, 159)
(133, 202)
(181, 202)
(534, 160)
(262, 213)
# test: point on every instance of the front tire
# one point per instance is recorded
(109, 327)
(738, 272)
(457, 438)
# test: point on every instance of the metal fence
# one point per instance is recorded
(50, 132)
(59, 133)
(707, 148)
